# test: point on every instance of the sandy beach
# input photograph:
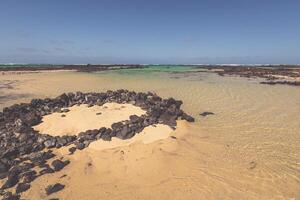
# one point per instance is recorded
(149, 100)
(247, 150)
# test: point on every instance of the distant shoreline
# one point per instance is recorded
(273, 74)
(78, 68)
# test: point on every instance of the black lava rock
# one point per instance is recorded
(22, 187)
(19, 142)
(46, 170)
(59, 165)
(80, 145)
(188, 117)
(54, 188)
(3, 167)
(72, 150)
(204, 114)
(50, 143)
(10, 196)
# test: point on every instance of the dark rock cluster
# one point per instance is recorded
(293, 83)
(271, 73)
(79, 68)
(22, 148)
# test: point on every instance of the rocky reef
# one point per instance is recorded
(22, 148)
(273, 74)
(292, 83)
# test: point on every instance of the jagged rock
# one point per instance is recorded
(106, 134)
(22, 187)
(28, 177)
(117, 126)
(187, 117)
(50, 143)
(40, 157)
(54, 188)
(3, 167)
(124, 133)
(167, 119)
(31, 119)
(80, 145)
(59, 165)
(10, 196)
(12, 180)
(135, 119)
(46, 170)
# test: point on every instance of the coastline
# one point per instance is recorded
(271, 74)
(78, 68)
(245, 144)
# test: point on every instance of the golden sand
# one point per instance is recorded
(82, 118)
(248, 150)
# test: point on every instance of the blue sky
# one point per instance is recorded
(150, 31)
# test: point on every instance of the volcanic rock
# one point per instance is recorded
(58, 164)
(54, 188)
(10, 196)
(204, 114)
(72, 150)
(22, 187)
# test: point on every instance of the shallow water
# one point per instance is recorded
(255, 132)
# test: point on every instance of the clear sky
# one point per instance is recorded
(150, 31)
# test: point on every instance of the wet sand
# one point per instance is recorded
(248, 150)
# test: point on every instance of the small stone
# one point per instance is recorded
(252, 165)
(65, 175)
(72, 150)
(65, 110)
(173, 137)
(204, 114)
(63, 115)
(54, 188)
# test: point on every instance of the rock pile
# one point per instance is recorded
(22, 148)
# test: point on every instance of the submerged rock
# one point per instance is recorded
(54, 188)
(204, 114)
